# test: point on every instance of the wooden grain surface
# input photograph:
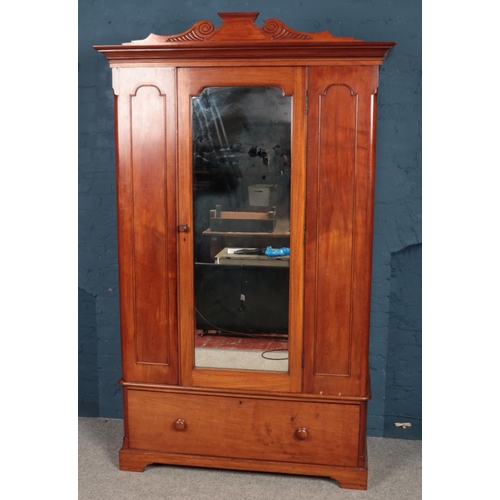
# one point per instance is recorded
(339, 221)
(238, 427)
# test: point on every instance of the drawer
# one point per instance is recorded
(251, 428)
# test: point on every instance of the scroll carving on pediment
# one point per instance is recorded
(198, 33)
(276, 30)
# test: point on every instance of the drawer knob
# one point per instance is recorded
(301, 433)
(183, 228)
(180, 424)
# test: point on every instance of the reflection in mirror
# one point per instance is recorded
(241, 182)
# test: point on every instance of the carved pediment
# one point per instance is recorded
(239, 27)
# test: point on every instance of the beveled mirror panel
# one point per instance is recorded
(241, 194)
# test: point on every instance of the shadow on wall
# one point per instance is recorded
(88, 392)
(403, 392)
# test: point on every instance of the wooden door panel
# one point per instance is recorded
(336, 146)
(146, 218)
(339, 226)
(150, 228)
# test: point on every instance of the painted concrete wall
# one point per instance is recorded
(398, 181)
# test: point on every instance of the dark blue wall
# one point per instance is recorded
(88, 391)
(398, 182)
(403, 384)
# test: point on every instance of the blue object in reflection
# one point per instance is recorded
(277, 252)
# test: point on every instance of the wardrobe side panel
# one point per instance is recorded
(146, 133)
(339, 214)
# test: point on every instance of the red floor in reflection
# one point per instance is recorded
(213, 341)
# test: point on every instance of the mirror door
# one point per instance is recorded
(241, 215)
